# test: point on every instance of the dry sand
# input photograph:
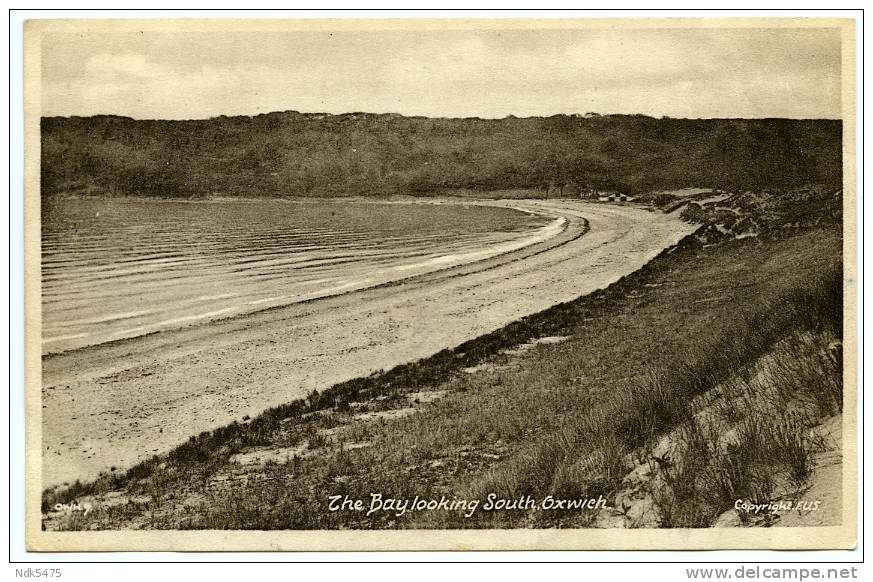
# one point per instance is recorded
(115, 404)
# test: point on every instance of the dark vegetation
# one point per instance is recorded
(722, 347)
(296, 154)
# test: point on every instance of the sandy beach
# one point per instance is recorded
(111, 405)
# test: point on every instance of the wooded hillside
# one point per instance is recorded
(297, 154)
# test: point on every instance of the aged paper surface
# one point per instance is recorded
(191, 387)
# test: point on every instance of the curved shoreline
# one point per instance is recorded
(572, 231)
(507, 248)
(139, 397)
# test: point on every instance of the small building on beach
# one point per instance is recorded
(614, 197)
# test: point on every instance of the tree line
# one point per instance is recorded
(300, 154)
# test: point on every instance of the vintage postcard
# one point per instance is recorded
(450, 284)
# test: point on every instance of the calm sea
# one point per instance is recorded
(119, 268)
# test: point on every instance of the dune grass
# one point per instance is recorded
(589, 455)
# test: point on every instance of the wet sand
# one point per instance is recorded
(114, 404)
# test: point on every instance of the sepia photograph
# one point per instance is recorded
(440, 284)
